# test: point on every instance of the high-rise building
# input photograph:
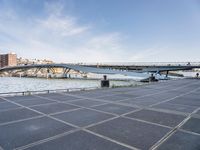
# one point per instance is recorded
(8, 60)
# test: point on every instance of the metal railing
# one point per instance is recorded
(24, 93)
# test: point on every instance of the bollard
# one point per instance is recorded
(197, 75)
(105, 82)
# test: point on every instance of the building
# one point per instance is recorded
(8, 60)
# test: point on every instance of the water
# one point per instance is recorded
(14, 84)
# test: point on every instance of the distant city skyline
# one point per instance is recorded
(101, 31)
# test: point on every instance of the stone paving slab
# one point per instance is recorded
(37, 101)
(7, 105)
(186, 101)
(16, 114)
(113, 98)
(2, 100)
(174, 107)
(83, 117)
(158, 117)
(54, 108)
(79, 141)
(115, 108)
(59, 97)
(198, 112)
(181, 141)
(193, 125)
(20, 98)
(137, 134)
(86, 103)
(25, 132)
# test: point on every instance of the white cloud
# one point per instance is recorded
(59, 23)
(61, 38)
(55, 36)
(63, 26)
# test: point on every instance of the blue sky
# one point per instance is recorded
(101, 30)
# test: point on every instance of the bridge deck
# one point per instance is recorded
(158, 116)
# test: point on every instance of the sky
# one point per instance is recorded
(101, 30)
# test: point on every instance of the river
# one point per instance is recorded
(15, 84)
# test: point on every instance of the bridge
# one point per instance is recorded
(141, 72)
(152, 67)
(68, 67)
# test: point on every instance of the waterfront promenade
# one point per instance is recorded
(164, 116)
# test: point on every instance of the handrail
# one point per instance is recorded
(46, 91)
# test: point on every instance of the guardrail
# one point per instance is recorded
(23, 93)
(143, 63)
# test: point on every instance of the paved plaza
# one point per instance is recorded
(161, 116)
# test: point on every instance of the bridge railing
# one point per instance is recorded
(144, 63)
